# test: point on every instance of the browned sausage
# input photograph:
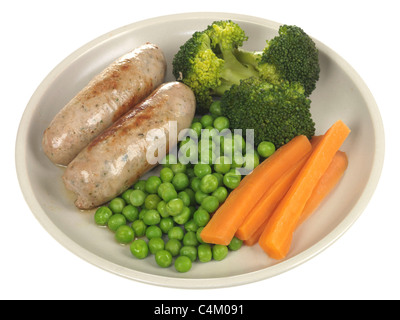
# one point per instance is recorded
(118, 157)
(110, 94)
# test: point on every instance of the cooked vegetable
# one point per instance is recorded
(276, 238)
(326, 184)
(276, 113)
(291, 56)
(229, 216)
(268, 202)
(206, 62)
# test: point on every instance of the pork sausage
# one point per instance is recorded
(118, 157)
(110, 94)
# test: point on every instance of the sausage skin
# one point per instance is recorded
(117, 158)
(110, 94)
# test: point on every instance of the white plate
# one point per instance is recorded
(340, 94)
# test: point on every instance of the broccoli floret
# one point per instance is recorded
(291, 56)
(206, 62)
(277, 113)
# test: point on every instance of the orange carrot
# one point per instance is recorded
(267, 204)
(276, 238)
(227, 219)
(325, 185)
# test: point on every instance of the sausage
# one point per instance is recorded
(110, 94)
(118, 157)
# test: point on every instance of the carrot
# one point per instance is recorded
(325, 185)
(253, 239)
(267, 204)
(276, 237)
(227, 219)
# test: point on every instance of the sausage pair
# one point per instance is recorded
(101, 135)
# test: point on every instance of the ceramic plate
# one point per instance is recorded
(340, 94)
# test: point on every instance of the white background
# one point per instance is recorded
(36, 35)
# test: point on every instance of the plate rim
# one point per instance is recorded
(190, 283)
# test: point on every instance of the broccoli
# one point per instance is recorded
(206, 62)
(291, 56)
(276, 112)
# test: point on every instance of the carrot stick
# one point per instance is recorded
(325, 185)
(276, 238)
(227, 219)
(267, 204)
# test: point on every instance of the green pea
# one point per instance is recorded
(162, 209)
(190, 239)
(156, 244)
(197, 126)
(265, 149)
(195, 184)
(124, 234)
(200, 196)
(139, 227)
(151, 201)
(232, 180)
(202, 169)
(215, 108)
(190, 172)
(210, 204)
(173, 246)
(174, 207)
(176, 233)
(130, 212)
(140, 185)
(153, 232)
(189, 251)
(102, 215)
(204, 252)
(190, 193)
(184, 196)
(151, 217)
(221, 194)
(137, 197)
(201, 217)
(117, 204)
(221, 123)
(139, 248)
(251, 161)
(163, 258)
(183, 264)
(178, 168)
(167, 191)
(198, 235)
(184, 216)
(116, 221)
(220, 178)
(166, 174)
(235, 244)
(152, 184)
(125, 195)
(191, 225)
(180, 181)
(206, 120)
(219, 252)
(209, 183)
(166, 224)
(222, 164)
(237, 160)
(207, 157)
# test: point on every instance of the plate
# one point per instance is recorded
(340, 94)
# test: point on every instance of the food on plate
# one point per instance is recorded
(291, 56)
(277, 113)
(277, 236)
(118, 157)
(225, 222)
(110, 94)
(212, 60)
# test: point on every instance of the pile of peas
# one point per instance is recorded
(164, 215)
